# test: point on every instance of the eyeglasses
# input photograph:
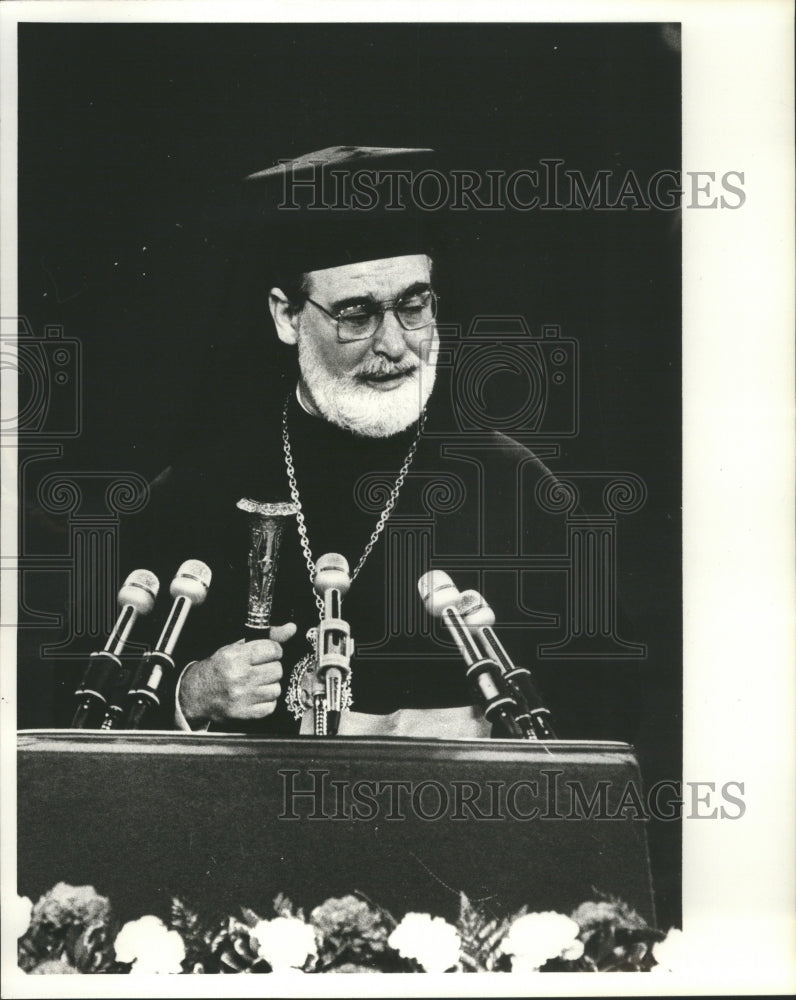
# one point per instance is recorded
(360, 322)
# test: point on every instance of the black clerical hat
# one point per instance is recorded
(339, 205)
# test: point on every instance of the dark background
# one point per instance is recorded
(128, 133)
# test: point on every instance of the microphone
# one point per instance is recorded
(335, 645)
(189, 589)
(479, 616)
(440, 596)
(136, 597)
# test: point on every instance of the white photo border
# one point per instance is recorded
(738, 474)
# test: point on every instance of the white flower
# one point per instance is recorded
(55, 967)
(284, 942)
(150, 946)
(536, 937)
(669, 953)
(431, 941)
(20, 915)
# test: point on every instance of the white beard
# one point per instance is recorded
(349, 403)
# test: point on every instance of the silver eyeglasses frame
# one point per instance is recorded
(377, 311)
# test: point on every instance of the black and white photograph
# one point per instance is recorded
(351, 459)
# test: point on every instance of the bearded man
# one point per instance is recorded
(361, 443)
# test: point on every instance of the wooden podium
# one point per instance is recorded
(229, 820)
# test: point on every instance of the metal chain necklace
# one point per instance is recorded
(298, 694)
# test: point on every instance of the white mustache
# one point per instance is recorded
(382, 370)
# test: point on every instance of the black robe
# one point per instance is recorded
(469, 506)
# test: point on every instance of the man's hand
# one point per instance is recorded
(239, 681)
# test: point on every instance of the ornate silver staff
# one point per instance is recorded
(266, 522)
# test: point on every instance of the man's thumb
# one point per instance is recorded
(281, 633)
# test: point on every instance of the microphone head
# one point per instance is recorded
(437, 591)
(139, 590)
(192, 581)
(474, 609)
(331, 571)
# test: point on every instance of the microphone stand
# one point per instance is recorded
(136, 597)
(479, 617)
(500, 707)
(441, 599)
(335, 645)
(188, 588)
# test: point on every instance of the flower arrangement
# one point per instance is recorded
(71, 929)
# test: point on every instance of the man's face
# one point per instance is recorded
(375, 387)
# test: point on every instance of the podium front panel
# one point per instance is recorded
(228, 820)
